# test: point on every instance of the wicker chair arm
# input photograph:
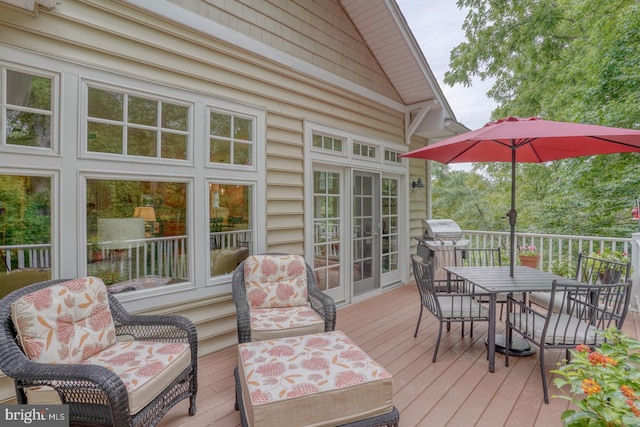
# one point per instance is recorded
(80, 384)
(243, 313)
(169, 328)
(324, 305)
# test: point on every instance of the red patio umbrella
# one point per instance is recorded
(532, 140)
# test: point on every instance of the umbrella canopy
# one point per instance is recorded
(531, 140)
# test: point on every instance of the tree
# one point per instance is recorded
(567, 60)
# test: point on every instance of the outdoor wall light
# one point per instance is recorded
(416, 185)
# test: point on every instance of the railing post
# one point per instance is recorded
(635, 276)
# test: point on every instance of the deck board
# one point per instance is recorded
(457, 390)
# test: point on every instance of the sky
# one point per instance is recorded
(437, 26)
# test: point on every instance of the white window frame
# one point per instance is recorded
(54, 148)
(68, 208)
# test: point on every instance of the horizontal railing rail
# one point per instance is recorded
(558, 253)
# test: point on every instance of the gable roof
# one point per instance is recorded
(384, 28)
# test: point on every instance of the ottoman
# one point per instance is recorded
(321, 379)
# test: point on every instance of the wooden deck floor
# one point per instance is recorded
(457, 390)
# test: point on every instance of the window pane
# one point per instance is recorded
(141, 142)
(220, 125)
(28, 129)
(230, 226)
(175, 117)
(220, 151)
(174, 146)
(25, 229)
(26, 90)
(242, 154)
(105, 104)
(142, 111)
(104, 138)
(242, 129)
(136, 233)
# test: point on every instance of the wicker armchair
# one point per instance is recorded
(95, 394)
(251, 329)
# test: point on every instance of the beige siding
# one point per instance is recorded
(317, 32)
(113, 36)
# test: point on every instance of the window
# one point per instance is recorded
(231, 139)
(134, 125)
(25, 231)
(137, 233)
(390, 219)
(392, 156)
(27, 108)
(230, 225)
(326, 226)
(364, 150)
(328, 143)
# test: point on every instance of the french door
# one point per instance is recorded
(365, 212)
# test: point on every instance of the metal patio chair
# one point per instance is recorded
(447, 307)
(583, 310)
(485, 257)
(592, 271)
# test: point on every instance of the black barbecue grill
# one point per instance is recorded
(439, 238)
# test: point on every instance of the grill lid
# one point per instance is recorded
(441, 234)
(441, 229)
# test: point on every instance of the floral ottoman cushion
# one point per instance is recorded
(271, 323)
(320, 379)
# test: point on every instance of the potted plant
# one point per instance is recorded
(529, 256)
(95, 250)
(603, 384)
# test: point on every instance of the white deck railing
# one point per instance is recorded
(554, 248)
(151, 256)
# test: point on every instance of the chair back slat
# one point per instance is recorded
(423, 273)
(600, 271)
(585, 308)
(473, 257)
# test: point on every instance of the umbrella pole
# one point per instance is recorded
(512, 213)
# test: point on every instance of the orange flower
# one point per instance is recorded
(633, 407)
(582, 348)
(628, 392)
(590, 387)
(599, 359)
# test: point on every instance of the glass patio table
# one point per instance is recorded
(496, 280)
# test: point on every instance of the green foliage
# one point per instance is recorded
(603, 384)
(565, 60)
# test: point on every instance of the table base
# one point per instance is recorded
(519, 347)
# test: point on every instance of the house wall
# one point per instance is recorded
(115, 36)
(317, 32)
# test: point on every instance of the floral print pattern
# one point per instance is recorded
(136, 362)
(286, 368)
(276, 281)
(66, 322)
(273, 319)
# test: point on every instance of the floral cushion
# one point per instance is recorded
(66, 322)
(270, 323)
(145, 367)
(276, 281)
(319, 379)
